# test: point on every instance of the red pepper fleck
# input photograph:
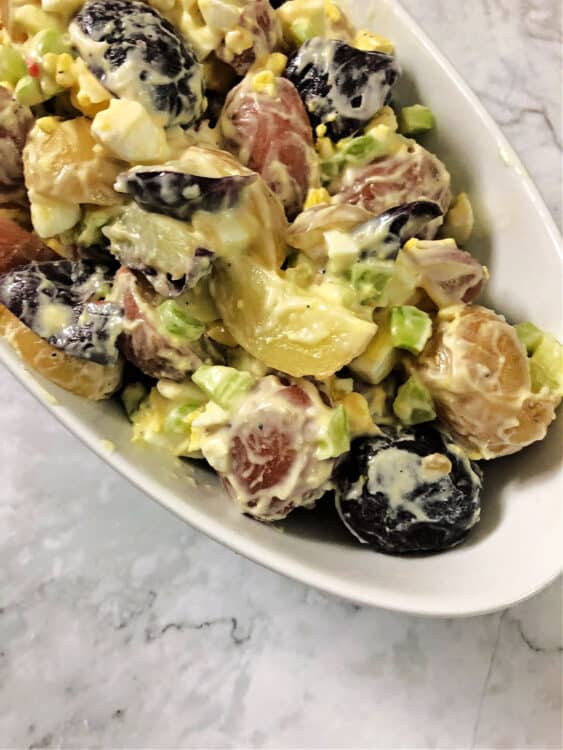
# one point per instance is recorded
(33, 68)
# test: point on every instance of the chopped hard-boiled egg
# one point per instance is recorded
(126, 129)
(238, 40)
(87, 93)
(276, 62)
(316, 197)
(264, 83)
(201, 34)
(370, 42)
(50, 217)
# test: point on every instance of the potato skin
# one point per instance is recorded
(87, 379)
(477, 371)
(272, 135)
(19, 247)
(15, 123)
(412, 174)
(408, 491)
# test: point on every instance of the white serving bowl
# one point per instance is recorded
(517, 548)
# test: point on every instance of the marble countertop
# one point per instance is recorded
(122, 627)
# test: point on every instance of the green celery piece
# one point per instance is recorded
(363, 149)
(370, 279)
(132, 396)
(416, 120)
(177, 322)
(302, 30)
(92, 224)
(530, 335)
(28, 91)
(12, 65)
(413, 404)
(50, 40)
(410, 328)
(224, 385)
(336, 439)
(354, 152)
(331, 168)
(546, 366)
(175, 421)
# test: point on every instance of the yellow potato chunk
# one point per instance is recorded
(284, 326)
(476, 370)
(68, 163)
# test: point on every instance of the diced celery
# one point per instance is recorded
(336, 438)
(132, 396)
(370, 279)
(546, 366)
(176, 321)
(12, 65)
(356, 152)
(413, 404)
(50, 40)
(223, 385)
(92, 223)
(416, 120)
(530, 335)
(301, 30)
(410, 328)
(28, 91)
(364, 149)
(176, 422)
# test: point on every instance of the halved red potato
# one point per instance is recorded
(268, 461)
(410, 174)
(270, 132)
(447, 274)
(144, 341)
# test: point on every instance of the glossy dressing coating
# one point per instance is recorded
(477, 371)
(266, 448)
(138, 55)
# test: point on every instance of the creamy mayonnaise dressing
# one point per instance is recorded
(136, 78)
(263, 419)
(320, 55)
(477, 371)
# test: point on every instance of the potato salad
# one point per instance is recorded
(216, 213)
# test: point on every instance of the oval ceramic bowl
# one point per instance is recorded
(516, 550)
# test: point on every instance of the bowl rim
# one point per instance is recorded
(251, 549)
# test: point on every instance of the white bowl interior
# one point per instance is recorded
(516, 549)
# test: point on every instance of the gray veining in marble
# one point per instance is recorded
(122, 627)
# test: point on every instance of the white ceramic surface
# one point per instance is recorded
(522, 509)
